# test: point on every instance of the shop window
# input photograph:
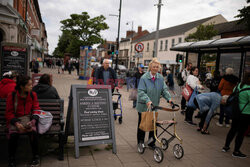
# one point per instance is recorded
(231, 60)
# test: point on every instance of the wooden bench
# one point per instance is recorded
(56, 108)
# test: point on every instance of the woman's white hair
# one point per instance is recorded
(229, 71)
(154, 60)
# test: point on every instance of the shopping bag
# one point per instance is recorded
(44, 122)
(187, 92)
(23, 120)
(147, 121)
(133, 94)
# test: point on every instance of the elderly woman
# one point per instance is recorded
(226, 86)
(150, 89)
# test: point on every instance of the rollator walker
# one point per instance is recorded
(164, 143)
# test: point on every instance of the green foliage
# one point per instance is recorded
(203, 32)
(79, 30)
(244, 15)
(85, 28)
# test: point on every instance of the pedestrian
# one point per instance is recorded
(151, 87)
(170, 81)
(241, 119)
(105, 75)
(193, 82)
(226, 86)
(137, 77)
(44, 88)
(184, 74)
(214, 82)
(7, 84)
(19, 105)
(34, 66)
(59, 64)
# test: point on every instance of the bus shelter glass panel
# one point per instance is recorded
(247, 62)
(207, 66)
(231, 60)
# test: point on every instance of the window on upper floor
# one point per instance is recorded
(173, 42)
(166, 45)
(161, 43)
(148, 47)
(180, 40)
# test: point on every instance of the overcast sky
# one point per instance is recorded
(141, 12)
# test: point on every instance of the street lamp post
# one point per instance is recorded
(157, 28)
(129, 60)
(118, 35)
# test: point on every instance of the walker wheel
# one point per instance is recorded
(158, 155)
(140, 148)
(120, 120)
(178, 151)
(164, 144)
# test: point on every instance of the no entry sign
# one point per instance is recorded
(139, 47)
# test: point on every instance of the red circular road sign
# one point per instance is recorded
(139, 47)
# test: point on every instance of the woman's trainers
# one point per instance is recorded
(225, 149)
(239, 155)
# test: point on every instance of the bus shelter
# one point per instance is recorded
(218, 54)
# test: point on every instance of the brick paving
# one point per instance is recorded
(199, 150)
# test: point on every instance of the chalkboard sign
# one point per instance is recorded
(14, 57)
(93, 116)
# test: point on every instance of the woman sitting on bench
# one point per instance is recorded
(19, 107)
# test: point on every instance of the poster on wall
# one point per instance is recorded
(14, 57)
(84, 63)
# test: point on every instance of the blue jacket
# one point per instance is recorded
(208, 102)
(149, 90)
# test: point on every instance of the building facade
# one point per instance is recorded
(21, 22)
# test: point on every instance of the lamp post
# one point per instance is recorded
(129, 57)
(157, 28)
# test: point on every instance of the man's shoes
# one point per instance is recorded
(238, 154)
(191, 123)
(225, 149)
(183, 112)
(35, 161)
(219, 124)
(227, 125)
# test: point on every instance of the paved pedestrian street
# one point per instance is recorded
(199, 150)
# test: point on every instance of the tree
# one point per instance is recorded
(85, 28)
(244, 15)
(203, 32)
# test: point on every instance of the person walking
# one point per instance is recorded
(184, 74)
(34, 66)
(151, 87)
(241, 119)
(138, 76)
(170, 81)
(226, 86)
(105, 75)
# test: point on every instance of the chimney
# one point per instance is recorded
(128, 33)
(139, 29)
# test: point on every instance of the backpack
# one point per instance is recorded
(233, 102)
(180, 80)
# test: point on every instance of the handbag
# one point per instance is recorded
(187, 92)
(22, 120)
(147, 121)
(44, 121)
(133, 94)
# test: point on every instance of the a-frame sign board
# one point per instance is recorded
(93, 116)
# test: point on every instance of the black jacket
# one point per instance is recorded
(100, 80)
(45, 91)
(137, 78)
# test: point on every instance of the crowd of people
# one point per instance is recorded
(22, 100)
